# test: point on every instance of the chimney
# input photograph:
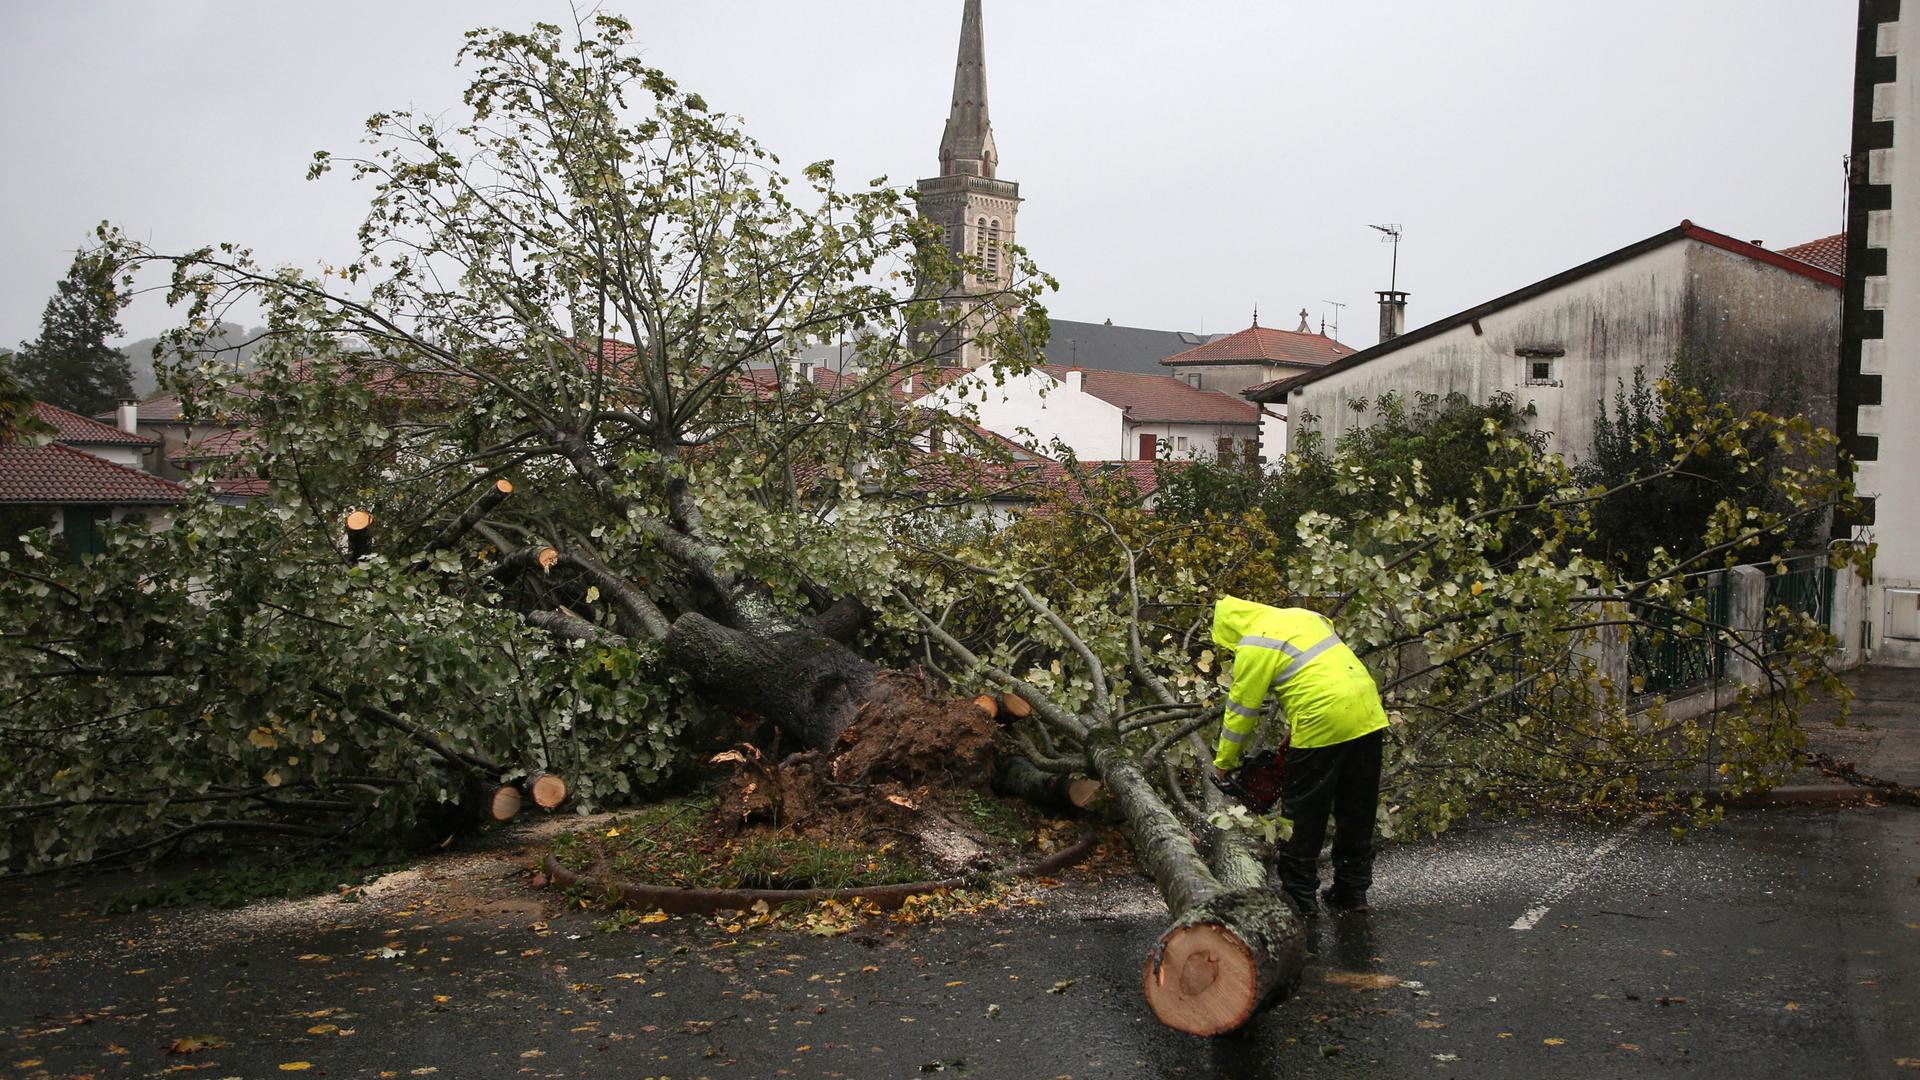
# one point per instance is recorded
(1393, 314)
(128, 415)
(1076, 380)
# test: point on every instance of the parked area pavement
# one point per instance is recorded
(1785, 942)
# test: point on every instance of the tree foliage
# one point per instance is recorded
(1438, 441)
(70, 364)
(1668, 449)
(592, 287)
(1480, 611)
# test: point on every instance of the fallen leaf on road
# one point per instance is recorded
(295, 1066)
(1061, 986)
(1430, 1025)
(1550, 1041)
(193, 1044)
(1446, 1057)
(1635, 1047)
(1361, 980)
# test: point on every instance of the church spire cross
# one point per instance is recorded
(967, 147)
(1304, 329)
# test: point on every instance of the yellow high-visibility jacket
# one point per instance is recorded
(1326, 691)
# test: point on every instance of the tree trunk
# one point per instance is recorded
(807, 684)
(1234, 947)
(1222, 961)
(503, 802)
(548, 790)
(1020, 778)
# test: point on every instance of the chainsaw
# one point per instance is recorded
(1256, 783)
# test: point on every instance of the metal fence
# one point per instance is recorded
(1805, 588)
(1668, 653)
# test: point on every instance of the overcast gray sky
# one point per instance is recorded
(1180, 161)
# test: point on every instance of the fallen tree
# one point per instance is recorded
(550, 497)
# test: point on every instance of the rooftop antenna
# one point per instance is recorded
(1391, 233)
(1336, 306)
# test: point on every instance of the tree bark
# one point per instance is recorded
(809, 685)
(1233, 948)
(1020, 778)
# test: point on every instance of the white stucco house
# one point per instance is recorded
(1767, 324)
(1102, 415)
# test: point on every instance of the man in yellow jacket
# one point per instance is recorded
(1333, 709)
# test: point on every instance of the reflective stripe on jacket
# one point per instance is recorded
(1326, 692)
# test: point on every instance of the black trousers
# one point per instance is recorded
(1341, 781)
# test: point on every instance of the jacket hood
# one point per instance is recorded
(1234, 618)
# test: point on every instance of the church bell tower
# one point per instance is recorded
(974, 209)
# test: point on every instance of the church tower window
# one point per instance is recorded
(993, 249)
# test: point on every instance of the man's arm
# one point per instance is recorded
(1252, 674)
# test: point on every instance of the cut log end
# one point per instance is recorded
(504, 802)
(1224, 961)
(987, 704)
(1084, 791)
(1016, 706)
(503, 486)
(1203, 980)
(548, 790)
(548, 558)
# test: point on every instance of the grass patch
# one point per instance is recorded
(240, 884)
(675, 844)
(998, 819)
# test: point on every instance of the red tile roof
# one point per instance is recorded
(218, 446)
(1829, 253)
(1265, 345)
(164, 409)
(243, 487)
(71, 427)
(1148, 398)
(57, 475)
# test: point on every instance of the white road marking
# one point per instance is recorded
(1561, 888)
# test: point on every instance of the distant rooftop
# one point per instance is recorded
(1117, 348)
(1829, 253)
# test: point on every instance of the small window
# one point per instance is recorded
(1193, 380)
(1539, 372)
(1180, 443)
(993, 250)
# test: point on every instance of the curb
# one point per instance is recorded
(680, 901)
(1805, 795)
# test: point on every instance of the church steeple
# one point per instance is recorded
(966, 148)
(974, 208)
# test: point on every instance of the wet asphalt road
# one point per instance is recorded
(1784, 943)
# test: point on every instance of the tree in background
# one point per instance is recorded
(1448, 443)
(70, 364)
(1669, 464)
(16, 403)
